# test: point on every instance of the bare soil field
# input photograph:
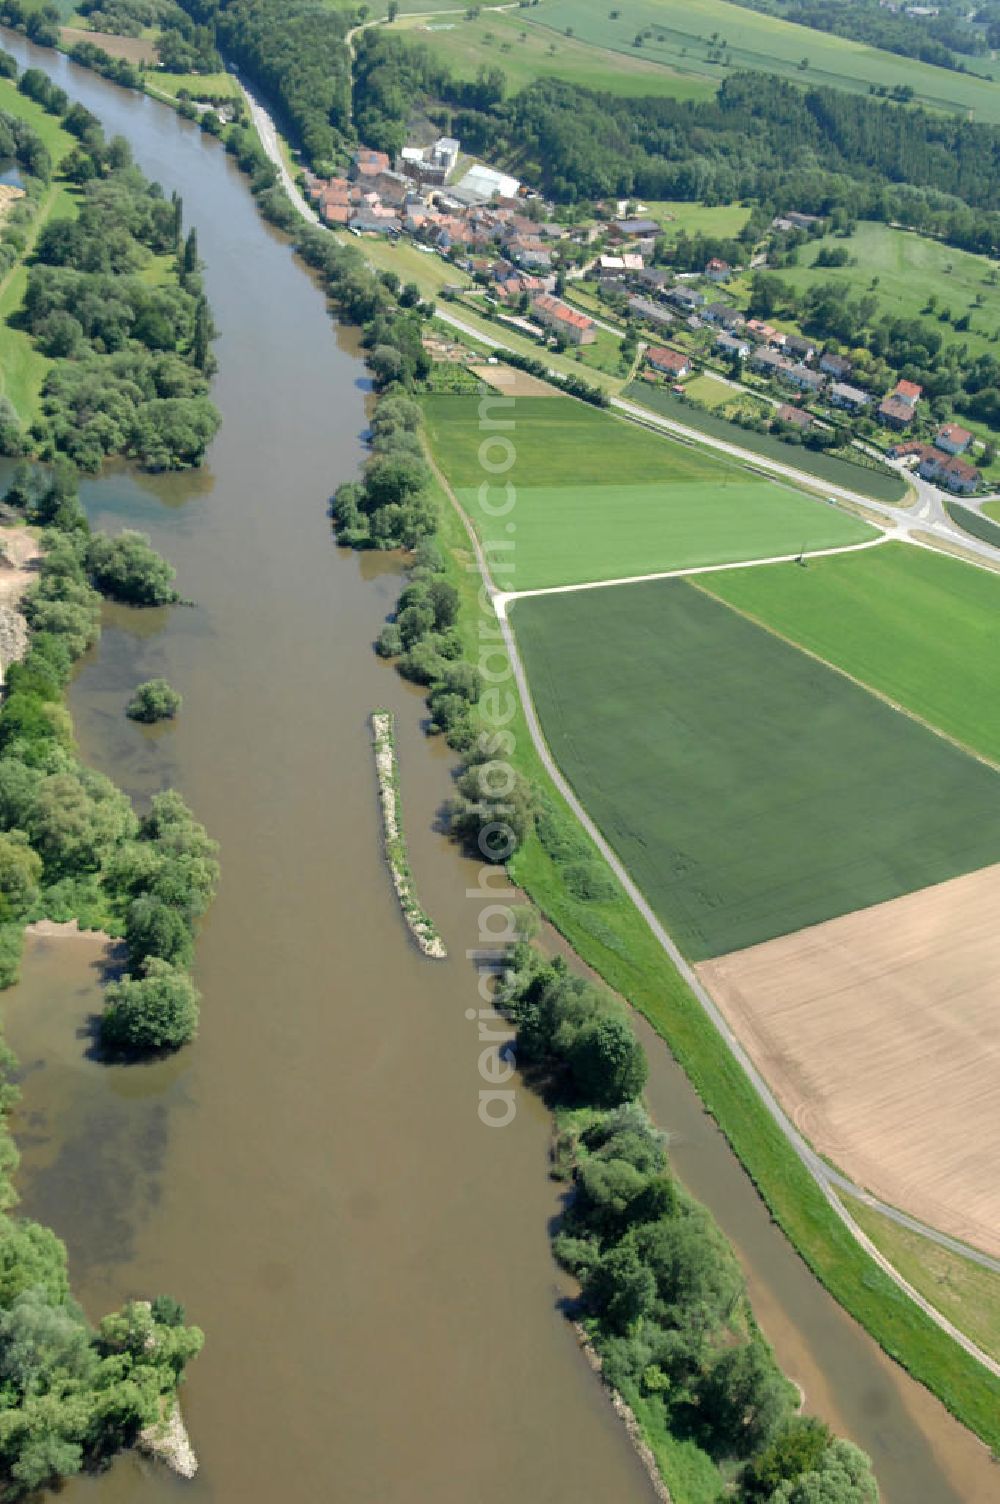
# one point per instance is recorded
(133, 49)
(880, 1034)
(514, 383)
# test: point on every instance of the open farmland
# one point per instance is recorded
(881, 1037)
(598, 499)
(525, 53)
(917, 626)
(750, 790)
(680, 37)
(132, 49)
(911, 268)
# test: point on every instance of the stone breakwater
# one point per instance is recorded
(387, 773)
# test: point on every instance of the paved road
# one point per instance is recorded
(827, 1179)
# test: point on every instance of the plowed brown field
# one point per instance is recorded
(880, 1034)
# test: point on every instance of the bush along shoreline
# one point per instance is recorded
(662, 1302)
(79, 848)
(387, 773)
(72, 847)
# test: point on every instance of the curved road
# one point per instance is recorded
(928, 518)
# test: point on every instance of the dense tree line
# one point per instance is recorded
(761, 138)
(131, 358)
(662, 1295)
(294, 51)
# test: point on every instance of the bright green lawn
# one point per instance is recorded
(992, 509)
(965, 1292)
(910, 268)
(495, 39)
(681, 40)
(722, 221)
(209, 84)
(749, 789)
(920, 627)
(660, 506)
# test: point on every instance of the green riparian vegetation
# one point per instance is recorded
(153, 701)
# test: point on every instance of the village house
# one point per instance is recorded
(366, 164)
(957, 474)
(894, 412)
(723, 315)
(802, 377)
(688, 298)
(765, 334)
(572, 326)
(800, 347)
(835, 365)
(732, 344)
(668, 362)
(953, 439)
(908, 392)
(769, 362)
(654, 278)
(796, 416)
(718, 271)
(850, 397)
(652, 313)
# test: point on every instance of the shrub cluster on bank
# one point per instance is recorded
(71, 844)
(662, 1296)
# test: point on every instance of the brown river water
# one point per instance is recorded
(311, 1178)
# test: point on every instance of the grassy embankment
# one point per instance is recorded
(916, 626)
(764, 793)
(681, 39)
(880, 485)
(973, 523)
(611, 937)
(679, 507)
(525, 52)
(965, 1292)
(22, 368)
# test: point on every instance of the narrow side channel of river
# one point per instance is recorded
(311, 1178)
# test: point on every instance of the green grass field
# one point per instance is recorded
(681, 39)
(661, 506)
(613, 938)
(723, 221)
(966, 1293)
(197, 84)
(881, 485)
(910, 268)
(919, 627)
(750, 790)
(526, 52)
